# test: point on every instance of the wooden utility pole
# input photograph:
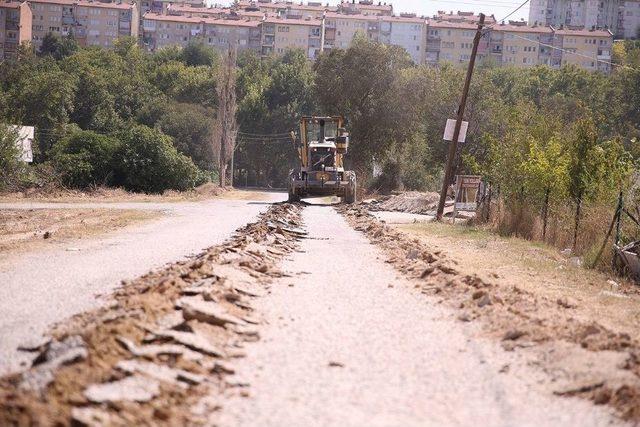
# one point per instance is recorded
(448, 171)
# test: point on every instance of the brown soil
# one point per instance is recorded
(25, 229)
(581, 355)
(139, 313)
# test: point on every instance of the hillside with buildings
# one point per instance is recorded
(553, 38)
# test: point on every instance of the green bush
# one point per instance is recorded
(86, 158)
(11, 168)
(148, 161)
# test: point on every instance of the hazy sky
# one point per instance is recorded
(499, 8)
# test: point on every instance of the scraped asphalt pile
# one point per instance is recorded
(163, 350)
(581, 357)
(410, 202)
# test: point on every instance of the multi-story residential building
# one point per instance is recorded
(588, 49)
(341, 29)
(279, 35)
(519, 46)
(407, 31)
(629, 19)
(621, 17)
(452, 42)
(89, 22)
(174, 30)
(365, 7)
(15, 27)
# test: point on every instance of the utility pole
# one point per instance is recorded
(448, 171)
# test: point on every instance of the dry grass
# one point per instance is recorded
(538, 268)
(21, 230)
(595, 220)
(103, 194)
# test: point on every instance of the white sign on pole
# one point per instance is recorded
(450, 128)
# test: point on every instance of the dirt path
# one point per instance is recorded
(348, 342)
(40, 288)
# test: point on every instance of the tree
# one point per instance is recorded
(358, 83)
(86, 158)
(58, 47)
(11, 167)
(188, 124)
(147, 161)
(226, 127)
(197, 53)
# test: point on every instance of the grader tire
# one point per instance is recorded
(293, 197)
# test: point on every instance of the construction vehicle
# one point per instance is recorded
(321, 146)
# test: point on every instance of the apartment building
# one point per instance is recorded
(406, 31)
(279, 35)
(91, 23)
(173, 30)
(341, 29)
(628, 20)
(588, 49)
(520, 46)
(15, 27)
(452, 42)
(621, 17)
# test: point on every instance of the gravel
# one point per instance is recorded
(38, 289)
(346, 342)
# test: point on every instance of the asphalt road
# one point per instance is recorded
(40, 288)
(347, 342)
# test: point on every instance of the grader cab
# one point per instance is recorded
(321, 147)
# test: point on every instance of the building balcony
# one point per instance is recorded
(68, 20)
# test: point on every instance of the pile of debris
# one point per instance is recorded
(410, 202)
(519, 319)
(165, 345)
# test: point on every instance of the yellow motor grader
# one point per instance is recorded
(321, 146)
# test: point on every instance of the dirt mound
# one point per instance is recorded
(210, 189)
(413, 202)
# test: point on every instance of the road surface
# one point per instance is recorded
(43, 287)
(347, 342)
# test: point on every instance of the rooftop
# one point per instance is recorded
(200, 20)
(89, 3)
